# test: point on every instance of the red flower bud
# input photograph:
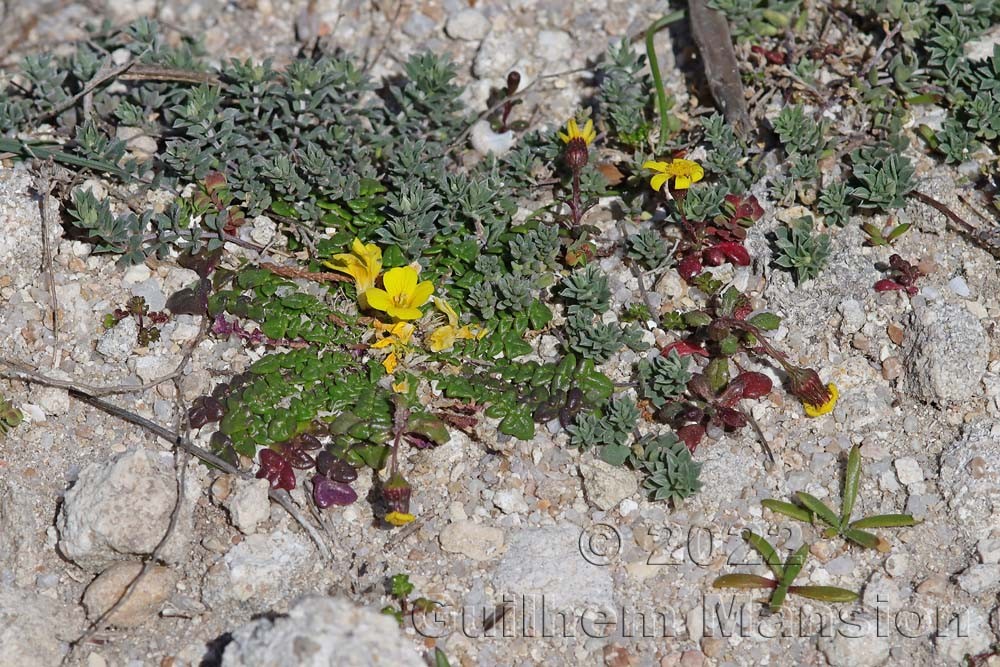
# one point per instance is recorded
(807, 386)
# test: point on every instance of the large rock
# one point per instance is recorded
(122, 508)
(34, 629)
(970, 481)
(545, 565)
(322, 631)
(606, 485)
(946, 352)
(257, 569)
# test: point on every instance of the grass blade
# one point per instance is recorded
(886, 521)
(817, 507)
(851, 481)
(743, 581)
(778, 597)
(767, 551)
(824, 593)
(788, 509)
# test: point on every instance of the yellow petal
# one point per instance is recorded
(385, 342)
(442, 338)
(378, 299)
(403, 331)
(446, 308)
(390, 363)
(401, 387)
(655, 166)
(817, 410)
(465, 333)
(656, 182)
(588, 133)
(421, 293)
(399, 518)
(401, 280)
(682, 182)
(404, 313)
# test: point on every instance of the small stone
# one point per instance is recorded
(117, 343)
(960, 287)
(257, 569)
(418, 25)
(946, 353)
(147, 596)
(484, 140)
(853, 313)
(713, 647)
(136, 274)
(919, 505)
(497, 55)
(53, 400)
(692, 658)
(892, 368)
(843, 648)
(989, 549)
(897, 564)
(970, 479)
(319, 631)
(153, 367)
(510, 501)
(472, 540)
(840, 566)
(263, 230)
(966, 634)
(933, 585)
(606, 485)
(467, 25)
(980, 578)
(896, 333)
(908, 471)
(554, 46)
(151, 291)
(248, 503)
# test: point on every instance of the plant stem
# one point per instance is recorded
(654, 68)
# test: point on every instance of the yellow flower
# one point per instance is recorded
(390, 363)
(399, 518)
(401, 387)
(363, 263)
(573, 131)
(817, 410)
(402, 296)
(444, 337)
(684, 173)
(397, 336)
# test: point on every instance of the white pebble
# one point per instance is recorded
(959, 287)
(135, 274)
(485, 140)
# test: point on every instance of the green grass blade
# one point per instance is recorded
(788, 509)
(654, 69)
(794, 564)
(824, 593)
(817, 507)
(886, 521)
(743, 581)
(767, 551)
(851, 481)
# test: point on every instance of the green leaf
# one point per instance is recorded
(743, 581)
(767, 551)
(898, 231)
(400, 586)
(851, 480)
(865, 539)
(788, 509)
(817, 507)
(794, 564)
(717, 373)
(824, 593)
(778, 597)
(440, 659)
(467, 250)
(518, 423)
(765, 321)
(616, 455)
(539, 314)
(885, 521)
(697, 318)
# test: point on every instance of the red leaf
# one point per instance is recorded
(691, 435)
(683, 347)
(735, 253)
(886, 285)
(689, 267)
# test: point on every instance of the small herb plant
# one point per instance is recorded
(400, 588)
(10, 417)
(146, 320)
(784, 576)
(854, 531)
(801, 251)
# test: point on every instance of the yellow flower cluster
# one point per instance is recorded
(401, 299)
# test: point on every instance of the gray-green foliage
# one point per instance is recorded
(703, 201)
(804, 140)
(801, 251)
(884, 176)
(663, 378)
(610, 429)
(671, 473)
(955, 142)
(506, 294)
(649, 249)
(593, 339)
(833, 203)
(726, 153)
(626, 93)
(587, 290)
(754, 19)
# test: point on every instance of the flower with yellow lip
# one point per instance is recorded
(402, 296)
(363, 263)
(684, 173)
(814, 410)
(573, 131)
(397, 336)
(444, 337)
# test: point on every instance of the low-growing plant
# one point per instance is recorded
(801, 251)
(812, 508)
